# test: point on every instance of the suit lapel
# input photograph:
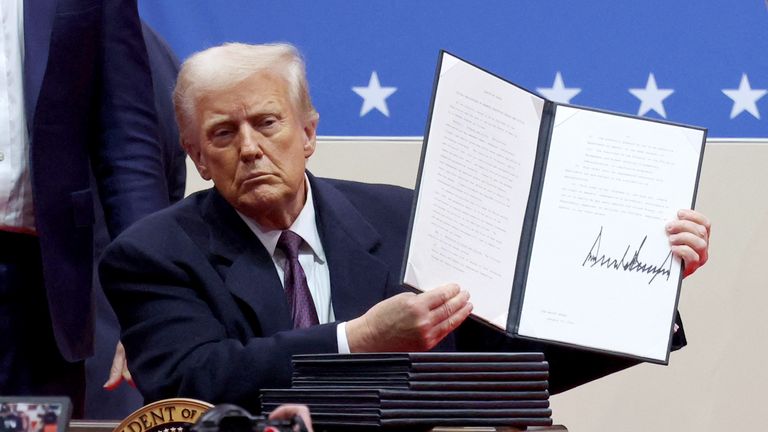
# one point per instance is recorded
(248, 270)
(253, 279)
(358, 278)
(39, 16)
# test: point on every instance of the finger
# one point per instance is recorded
(115, 375)
(679, 226)
(691, 249)
(451, 323)
(112, 382)
(696, 217)
(690, 257)
(439, 295)
(127, 375)
(688, 239)
(449, 308)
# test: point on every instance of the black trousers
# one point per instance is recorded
(30, 362)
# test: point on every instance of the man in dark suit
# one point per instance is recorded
(217, 292)
(211, 319)
(87, 114)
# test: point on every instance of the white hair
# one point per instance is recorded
(226, 65)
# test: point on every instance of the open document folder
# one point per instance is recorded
(552, 216)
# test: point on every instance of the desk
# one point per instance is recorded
(92, 425)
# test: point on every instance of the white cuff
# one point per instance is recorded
(341, 338)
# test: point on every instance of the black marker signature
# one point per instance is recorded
(633, 265)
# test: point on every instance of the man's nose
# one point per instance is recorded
(250, 146)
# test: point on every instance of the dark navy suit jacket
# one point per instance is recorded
(89, 107)
(202, 308)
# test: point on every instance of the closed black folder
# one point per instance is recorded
(337, 405)
(376, 395)
(423, 376)
(464, 413)
(464, 404)
(428, 385)
(409, 358)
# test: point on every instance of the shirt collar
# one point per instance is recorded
(304, 225)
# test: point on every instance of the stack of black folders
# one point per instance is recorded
(402, 390)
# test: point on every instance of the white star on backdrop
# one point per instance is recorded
(745, 98)
(559, 92)
(651, 97)
(374, 96)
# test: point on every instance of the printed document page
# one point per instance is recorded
(474, 187)
(601, 272)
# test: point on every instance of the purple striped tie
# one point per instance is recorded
(296, 289)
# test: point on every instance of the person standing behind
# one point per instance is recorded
(113, 399)
(76, 103)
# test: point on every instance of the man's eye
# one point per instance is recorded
(223, 132)
(269, 121)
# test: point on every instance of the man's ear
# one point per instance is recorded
(310, 135)
(196, 155)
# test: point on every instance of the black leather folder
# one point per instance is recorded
(521, 375)
(465, 413)
(362, 359)
(463, 404)
(467, 422)
(361, 396)
(388, 405)
(427, 385)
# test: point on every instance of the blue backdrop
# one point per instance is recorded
(700, 62)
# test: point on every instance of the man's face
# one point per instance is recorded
(253, 143)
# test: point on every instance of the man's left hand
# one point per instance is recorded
(689, 237)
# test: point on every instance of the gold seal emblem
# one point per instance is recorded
(167, 415)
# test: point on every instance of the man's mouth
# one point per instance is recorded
(254, 178)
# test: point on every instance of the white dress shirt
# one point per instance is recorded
(312, 260)
(16, 212)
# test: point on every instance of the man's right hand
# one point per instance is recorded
(409, 322)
